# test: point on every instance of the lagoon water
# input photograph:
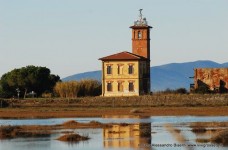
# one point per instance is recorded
(156, 132)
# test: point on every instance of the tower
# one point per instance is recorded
(141, 37)
(125, 73)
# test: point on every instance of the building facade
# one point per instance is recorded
(125, 73)
(215, 79)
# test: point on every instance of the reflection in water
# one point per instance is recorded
(127, 136)
(136, 135)
(179, 137)
(206, 131)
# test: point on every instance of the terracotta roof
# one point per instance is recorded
(123, 56)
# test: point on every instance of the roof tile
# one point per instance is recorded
(123, 56)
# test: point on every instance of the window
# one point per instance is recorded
(109, 69)
(139, 35)
(109, 86)
(120, 69)
(120, 87)
(130, 69)
(131, 87)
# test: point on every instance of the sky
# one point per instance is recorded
(69, 36)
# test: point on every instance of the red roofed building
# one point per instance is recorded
(125, 73)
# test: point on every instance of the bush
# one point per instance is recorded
(81, 88)
(3, 103)
(181, 91)
(176, 91)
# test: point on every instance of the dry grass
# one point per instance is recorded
(155, 100)
(148, 105)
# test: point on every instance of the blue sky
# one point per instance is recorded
(68, 36)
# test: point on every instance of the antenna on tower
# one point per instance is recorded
(140, 14)
(141, 21)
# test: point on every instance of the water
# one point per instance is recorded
(157, 132)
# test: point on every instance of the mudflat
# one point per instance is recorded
(67, 112)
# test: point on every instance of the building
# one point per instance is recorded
(126, 73)
(214, 79)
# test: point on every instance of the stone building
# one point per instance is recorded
(126, 73)
(215, 79)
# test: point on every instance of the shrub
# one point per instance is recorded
(81, 88)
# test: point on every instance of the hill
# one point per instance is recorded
(173, 75)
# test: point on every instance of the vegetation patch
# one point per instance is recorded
(8, 132)
(73, 138)
(221, 138)
(95, 123)
(199, 130)
(70, 123)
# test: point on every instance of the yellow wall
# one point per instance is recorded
(125, 78)
(125, 69)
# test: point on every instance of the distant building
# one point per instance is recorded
(215, 79)
(125, 73)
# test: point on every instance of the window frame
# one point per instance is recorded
(109, 69)
(131, 69)
(131, 87)
(109, 87)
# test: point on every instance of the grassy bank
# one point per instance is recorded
(156, 100)
(149, 105)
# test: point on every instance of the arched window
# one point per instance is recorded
(139, 35)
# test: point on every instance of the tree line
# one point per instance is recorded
(39, 81)
(27, 79)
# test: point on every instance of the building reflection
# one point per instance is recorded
(128, 136)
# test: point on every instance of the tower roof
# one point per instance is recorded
(123, 56)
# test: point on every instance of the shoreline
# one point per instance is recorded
(72, 112)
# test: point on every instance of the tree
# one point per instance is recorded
(27, 79)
